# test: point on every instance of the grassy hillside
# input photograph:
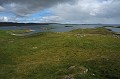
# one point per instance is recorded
(79, 54)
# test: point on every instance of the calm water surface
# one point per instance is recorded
(57, 27)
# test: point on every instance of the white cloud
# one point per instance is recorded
(90, 11)
(4, 19)
(52, 19)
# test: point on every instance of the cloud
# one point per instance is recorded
(4, 19)
(51, 19)
(90, 11)
(26, 7)
(72, 11)
(1, 9)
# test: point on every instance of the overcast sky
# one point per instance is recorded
(60, 11)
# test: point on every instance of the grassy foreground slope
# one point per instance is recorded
(79, 54)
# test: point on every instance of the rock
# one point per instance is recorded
(71, 67)
(13, 34)
(77, 70)
(68, 77)
(35, 47)
(81, 35)
(78, 34)
(93, 74)
(85, 71)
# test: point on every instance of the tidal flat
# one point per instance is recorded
(90, 53)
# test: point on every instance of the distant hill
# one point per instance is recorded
(22, 24)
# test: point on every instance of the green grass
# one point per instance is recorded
(79, 54)
(19, 31)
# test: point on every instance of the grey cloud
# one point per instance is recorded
(73, 11)
(90, 11)
(1, 8)
(26, 7)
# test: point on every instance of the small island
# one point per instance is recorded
(68, 26)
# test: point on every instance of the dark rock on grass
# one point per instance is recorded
(72, 71)
(68, 26)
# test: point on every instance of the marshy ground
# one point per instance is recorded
(78, 54)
